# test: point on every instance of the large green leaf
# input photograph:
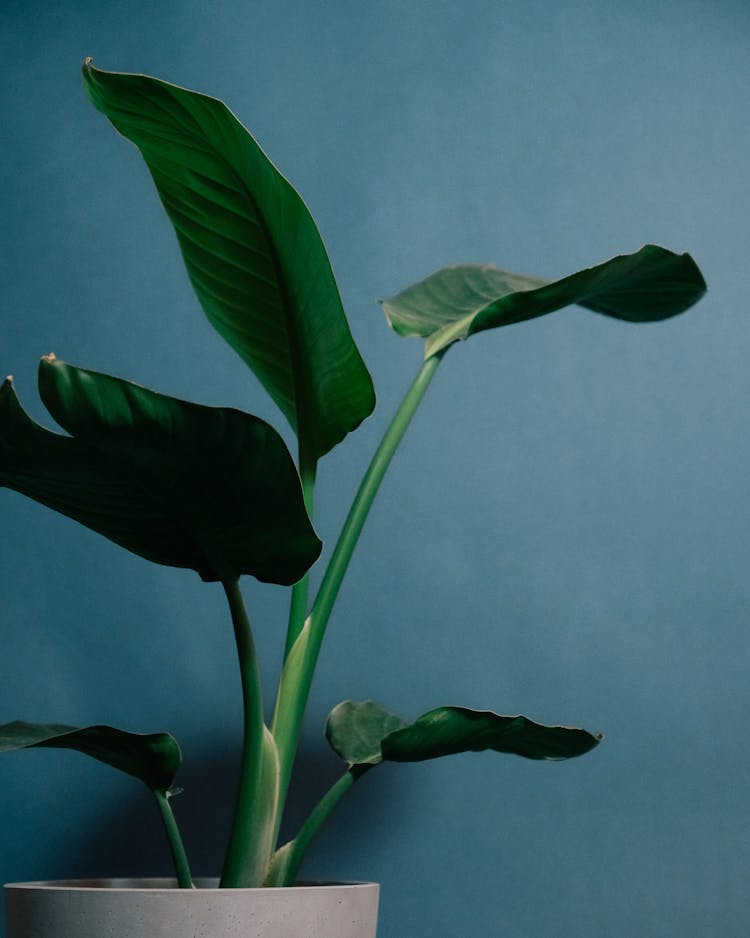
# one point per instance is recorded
(364, 733)
(208, 488)
(154, 757)
(252, 250)
(456, 302)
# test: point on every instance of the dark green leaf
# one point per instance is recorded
(154, 758)
(208, 488)
(252, 250)
(355, 730)
(449, 730)
(364, 733)
(456, 302)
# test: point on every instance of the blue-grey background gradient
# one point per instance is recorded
(564, 532)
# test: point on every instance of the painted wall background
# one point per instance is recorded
(565, 531)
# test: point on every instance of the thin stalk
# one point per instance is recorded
(287, 861)
(342, 554)
(295, 682)
(298, 604)
(179, 857)
(240, 861)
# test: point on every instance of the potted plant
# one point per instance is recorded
(215, 490)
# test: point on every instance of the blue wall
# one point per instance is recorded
(565, 530)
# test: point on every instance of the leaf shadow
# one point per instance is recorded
(125, 837)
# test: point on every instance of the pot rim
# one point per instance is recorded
(164, 884)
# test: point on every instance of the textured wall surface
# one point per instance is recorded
(564, 532)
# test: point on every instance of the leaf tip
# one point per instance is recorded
(87, 68)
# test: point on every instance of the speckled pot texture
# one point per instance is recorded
(127, 908)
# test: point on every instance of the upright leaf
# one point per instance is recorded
(154, 757)
(455, 302)
(252, 250)
(208, 488)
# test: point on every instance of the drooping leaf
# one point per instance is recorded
(252, 250)
(154, 757)
(355, 730)
(208, 488)
(364, 733)
(455, 302)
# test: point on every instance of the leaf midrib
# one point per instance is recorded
(296, 359)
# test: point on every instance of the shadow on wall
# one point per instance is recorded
(127, 839)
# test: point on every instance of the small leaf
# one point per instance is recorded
(355, 730)
(455, 302)
(208, 488)
(364, 733)
(449, 730)
(252, 250)
(154, 758)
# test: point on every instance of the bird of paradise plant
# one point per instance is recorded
(215, 489)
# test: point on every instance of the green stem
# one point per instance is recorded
(240, 863)
(184, 879)
(297, 679)
(298, 604)
(287, 861)
(342, 554)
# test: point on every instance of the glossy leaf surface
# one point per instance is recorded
(154, 758)
(353, 729)
(448, 730)
(208, 488)
(252, 250)
(456, 302)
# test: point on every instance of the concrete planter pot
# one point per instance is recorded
(153, 908)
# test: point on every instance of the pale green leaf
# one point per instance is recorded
(355, 730)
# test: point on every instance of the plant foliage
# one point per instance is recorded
(215, 490)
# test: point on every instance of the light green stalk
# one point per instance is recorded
(287, 859)
(298, 605)
(250, 842)
(302, 654)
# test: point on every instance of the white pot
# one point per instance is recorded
(154, 908)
